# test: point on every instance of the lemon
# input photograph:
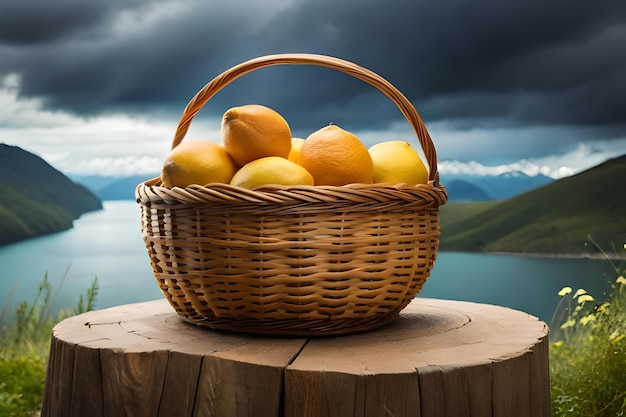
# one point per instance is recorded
(397, 162)
(296, 145)
(271, 170)
(254, 131)
(197, 162)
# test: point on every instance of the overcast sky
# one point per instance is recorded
(535, 85)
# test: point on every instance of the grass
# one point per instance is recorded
(588, 352)
(24, 349)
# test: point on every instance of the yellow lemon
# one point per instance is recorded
(271, 170)
(296, 145)
(335, 156)
(254, 131)
(197, 162)
(397, 162)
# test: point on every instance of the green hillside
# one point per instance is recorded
(35, 198)
(554, 219)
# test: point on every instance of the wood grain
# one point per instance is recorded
(439, 358)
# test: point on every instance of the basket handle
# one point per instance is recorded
(230, 75)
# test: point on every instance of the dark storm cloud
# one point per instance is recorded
(32, 22)
(531, 61)
(521, 62)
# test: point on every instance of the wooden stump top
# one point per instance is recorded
(439, 358)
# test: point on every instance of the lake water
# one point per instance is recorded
(108, 245)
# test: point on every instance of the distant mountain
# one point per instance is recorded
(113, 188)
(93, 182)
(461, 190)
(491, 187)
(35, 198)
(511, 184)
(554, 219)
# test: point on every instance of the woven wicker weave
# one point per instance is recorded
(302, 261)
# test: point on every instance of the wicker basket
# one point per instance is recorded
(302, 261)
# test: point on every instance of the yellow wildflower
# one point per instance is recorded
(615, 337)
(568, 323)
(565, 291)
(621, 280)
(579, 292)
(588, 318)
(585, 298)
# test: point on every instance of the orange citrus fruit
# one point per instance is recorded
(271, 170)
(335, 156)
(197, 162)
(254, 131)
(397, 162)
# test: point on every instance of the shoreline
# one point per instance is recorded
(592, 256)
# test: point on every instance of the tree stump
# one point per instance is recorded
(439, 358)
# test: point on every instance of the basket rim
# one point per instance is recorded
(430, 195)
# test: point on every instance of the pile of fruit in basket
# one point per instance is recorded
(257, 150)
